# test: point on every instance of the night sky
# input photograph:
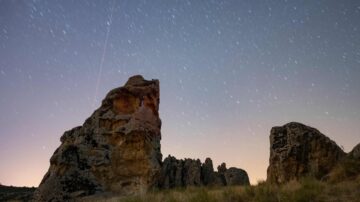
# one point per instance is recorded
(228, 70)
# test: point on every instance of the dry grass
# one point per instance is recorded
(342, 185)
(307, 190)
(347, 169)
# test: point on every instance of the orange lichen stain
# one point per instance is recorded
(116, 139)
(152, 103)
(134, 154)
(126, 103)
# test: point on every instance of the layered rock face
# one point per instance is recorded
(116, 150)
(190, 172)
(297, 150)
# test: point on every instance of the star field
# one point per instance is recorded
(228, 71)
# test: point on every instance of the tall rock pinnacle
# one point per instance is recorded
(116, 150)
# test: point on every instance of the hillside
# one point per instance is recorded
(12, 193)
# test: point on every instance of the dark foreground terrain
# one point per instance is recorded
(305, 190)
(10, 193)
(340, 185)
(343, 184)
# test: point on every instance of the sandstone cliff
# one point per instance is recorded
(190, 172)
(116, 150)
(297, 150)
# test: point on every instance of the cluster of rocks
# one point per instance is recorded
(116, 150)
(190, 172)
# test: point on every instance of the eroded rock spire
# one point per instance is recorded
(116, 150)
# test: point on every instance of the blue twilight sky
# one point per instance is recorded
(229, 71)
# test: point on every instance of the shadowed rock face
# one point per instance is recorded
(116, 150)
(355, 152)
(190, 172)
(297, 150)
(236, 176)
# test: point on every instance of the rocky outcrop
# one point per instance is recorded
(297, 150)
(190, 172)
(355, 152)
(236, 176)
(209, 177)
(116, 150)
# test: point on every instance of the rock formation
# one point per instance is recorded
(355, 152)
(116, 150)
(190, 172)
(297, 150)
(236, 176)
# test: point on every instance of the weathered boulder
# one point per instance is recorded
(236, 176)
(232, 176)
(297, 150)
(191, 172)
(355, 152)
(220, 175)
(207, 172)
(116, 150)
